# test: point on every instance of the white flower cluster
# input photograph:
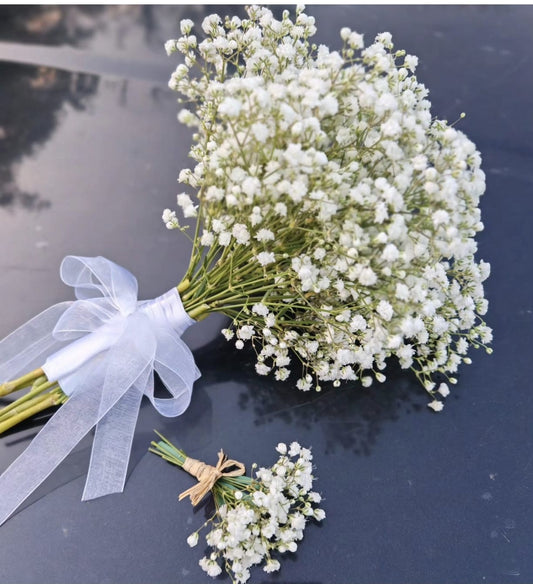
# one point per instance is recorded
(261, 517)
(339, 216)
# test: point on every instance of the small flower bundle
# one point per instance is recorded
(335, 217)
(255, 518)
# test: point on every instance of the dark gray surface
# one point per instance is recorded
(89, 154)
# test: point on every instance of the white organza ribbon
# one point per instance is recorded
(115, 344)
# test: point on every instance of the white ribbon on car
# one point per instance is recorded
(115, 345)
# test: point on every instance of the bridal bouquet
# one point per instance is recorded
(335, 223)
(335, 217)
(254, 517)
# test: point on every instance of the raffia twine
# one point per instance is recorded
(208, 475)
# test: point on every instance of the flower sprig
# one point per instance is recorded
(256, 519)
(336, 218)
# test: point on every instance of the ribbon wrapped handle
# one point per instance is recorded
(103, 350)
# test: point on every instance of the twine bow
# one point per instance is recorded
(208, 475)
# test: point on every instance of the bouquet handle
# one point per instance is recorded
(117, 345)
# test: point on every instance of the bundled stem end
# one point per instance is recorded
(43, 394)
(24, 381)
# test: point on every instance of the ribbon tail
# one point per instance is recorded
(112, 446)
(196, 493)
(50, 447)
(129, 372)
(26, 347)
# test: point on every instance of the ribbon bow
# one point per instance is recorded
(208, 475)
(115, 343)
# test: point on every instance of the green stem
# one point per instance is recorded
(38, 404)
(37, 390)
(167, 451)
(199, 312)
(21, 382)
(183, 285)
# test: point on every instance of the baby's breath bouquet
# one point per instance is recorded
(254, 518)
(335, 217)
(335, 224)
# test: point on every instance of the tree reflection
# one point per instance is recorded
(49, 25)
(32, 98)
(31, 103)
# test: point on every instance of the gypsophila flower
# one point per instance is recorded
(264, 235)
(230, 107)
(436, 405)
(241, 234)
(186, 26)
(170, 219)
(186, 204)
(260, 309)
(228, 334)
(281, 448)
(265, 257)
(328, 194)
(192, 540)
(255, 518)
(262, 369)
(170, 47)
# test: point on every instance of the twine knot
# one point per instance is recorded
(208, 475)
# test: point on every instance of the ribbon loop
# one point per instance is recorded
(94, 277)
(117, 344)
(208, 475)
